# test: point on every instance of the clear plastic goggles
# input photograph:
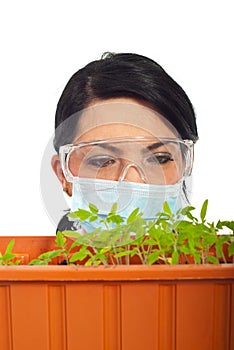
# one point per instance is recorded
(157, 160)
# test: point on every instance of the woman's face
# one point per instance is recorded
(125, 118)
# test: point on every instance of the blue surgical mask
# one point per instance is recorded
(128, 196)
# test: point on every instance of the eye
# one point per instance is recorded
(160, 158)
(100, 161)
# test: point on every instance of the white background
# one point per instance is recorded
(44, 42)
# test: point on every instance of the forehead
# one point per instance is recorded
(121, 117)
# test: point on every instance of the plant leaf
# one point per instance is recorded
(121, 254)
(72, 234)
(60, 239)
(153, 257)
(228, 224)
(80, 214)
(51, 254)
(114, 208)
(93, 208)
(133, 215)
(212, 259)
(167, 208)
(8, 256)
(10, 247)
(204, 210)
(78, 256)
(175, 257)
(36, 262)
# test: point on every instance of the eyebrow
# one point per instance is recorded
(153, 146)
(109, 147)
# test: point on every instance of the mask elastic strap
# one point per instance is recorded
(127, 167)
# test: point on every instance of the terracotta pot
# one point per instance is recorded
(114, 308)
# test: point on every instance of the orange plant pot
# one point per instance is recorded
(177, 307)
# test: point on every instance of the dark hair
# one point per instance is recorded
(124, 75)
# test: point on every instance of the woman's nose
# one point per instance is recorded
(132, 173)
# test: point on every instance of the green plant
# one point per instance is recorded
(8, 258)
(169, 239)
(179, 238)
(47, 257)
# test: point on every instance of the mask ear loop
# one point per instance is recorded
(127, 167)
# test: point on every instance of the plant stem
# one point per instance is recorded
(140, 256)
(127, 256)
(111, 258)
(117, 259)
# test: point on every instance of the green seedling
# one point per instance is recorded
(8, 258)
(179, 238)
(169, 239)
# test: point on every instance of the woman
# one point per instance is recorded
(125, 132)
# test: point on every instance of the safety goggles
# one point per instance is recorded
(157, 160)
